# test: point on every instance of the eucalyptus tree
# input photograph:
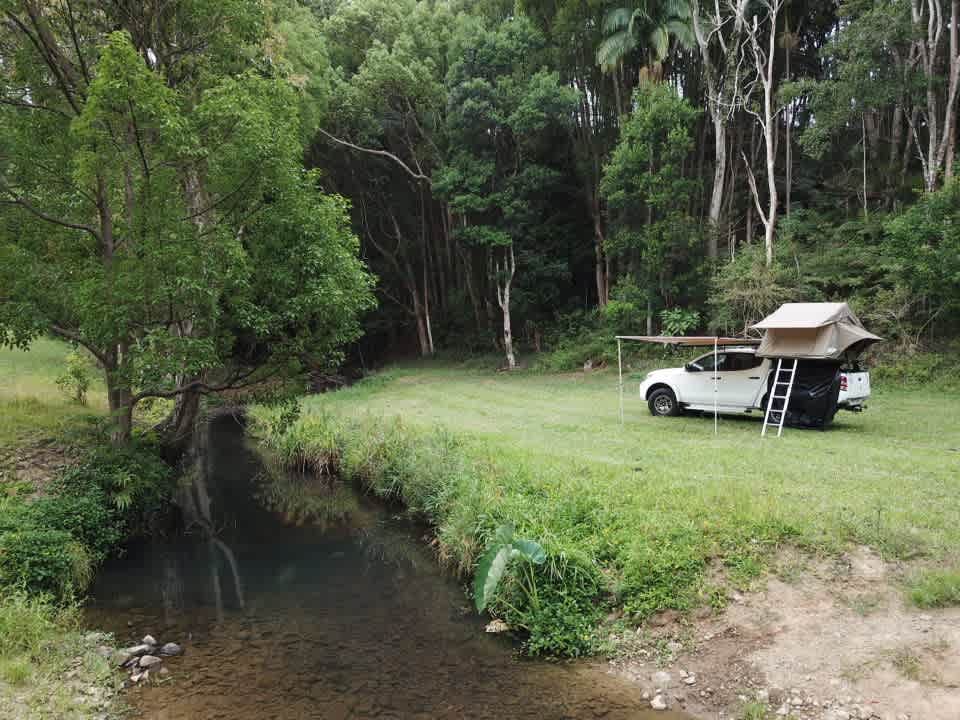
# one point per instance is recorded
(758, 97)
(719, 34)
(155, 208)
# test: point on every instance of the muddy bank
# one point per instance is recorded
(821, 639)
(348, 617)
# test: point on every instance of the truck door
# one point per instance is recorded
(741, 378)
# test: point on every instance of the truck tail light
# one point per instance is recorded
(843, 381)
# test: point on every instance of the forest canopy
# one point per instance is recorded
(202, 192)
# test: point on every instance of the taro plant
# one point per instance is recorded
(505, 549)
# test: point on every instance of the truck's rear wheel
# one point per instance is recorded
(663, 403)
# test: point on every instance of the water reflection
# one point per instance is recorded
(337, 611)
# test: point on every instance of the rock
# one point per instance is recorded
(837, 714)
(105, 651)
(497, 626)
(783, 710)
(661, 679)
(170, 649)
(148, 661)
(137, 650)
(690, 679)
(149, 640)
(137, 676)
(645, 694)
(163, 672)
(763, 696)
(658, 702)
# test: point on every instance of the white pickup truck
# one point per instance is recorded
(741, 385)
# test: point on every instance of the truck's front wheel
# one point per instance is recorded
(663, 403)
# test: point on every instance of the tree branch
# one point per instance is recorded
(22, 202)
(78, 338)
(420, 177)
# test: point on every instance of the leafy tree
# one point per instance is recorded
(924, 246)
(502, 117)
(645, 187)
(155, 207)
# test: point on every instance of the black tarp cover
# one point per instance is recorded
(813, 399)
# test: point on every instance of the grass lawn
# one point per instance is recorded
(32, 407)
(889, 476)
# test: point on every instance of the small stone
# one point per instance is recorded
(163, 672)
(496, 626)
(137, 650)
(171, 649)
(690, 679)
(645, 694)
(763, 696)
(149, 640)
(149, 661)
(658, 703)
(137, 676)
(783, 710)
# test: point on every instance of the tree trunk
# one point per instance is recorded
(183, 420)
(420, 317)
(719, 174)
(600, 269)
(503, 299)
(121, 412)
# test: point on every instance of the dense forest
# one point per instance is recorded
(205, 193)
(513, 169)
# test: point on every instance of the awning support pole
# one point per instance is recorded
(716, 378)
(620, 374)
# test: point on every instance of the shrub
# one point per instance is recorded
(40, 560)
(133, 479)
(89, 518)
(75, 379)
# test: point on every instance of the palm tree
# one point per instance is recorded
(648, 27)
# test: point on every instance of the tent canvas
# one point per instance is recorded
(813, 331)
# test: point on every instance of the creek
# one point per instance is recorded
(340, 612)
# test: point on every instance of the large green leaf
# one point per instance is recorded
(530, 550)
(489, 573)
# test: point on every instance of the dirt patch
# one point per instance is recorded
(31, 468)
(832, 641)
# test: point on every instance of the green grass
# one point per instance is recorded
(936, 588)
(639, 509)
(32, 407)
(40, 643)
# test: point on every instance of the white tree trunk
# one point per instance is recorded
(503, 299)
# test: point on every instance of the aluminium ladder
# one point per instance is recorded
(778, 381)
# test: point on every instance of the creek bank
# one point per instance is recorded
(834, 641)
(341, 615)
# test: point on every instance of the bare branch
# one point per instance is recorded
(420, 177)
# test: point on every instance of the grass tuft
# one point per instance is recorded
(936, 589)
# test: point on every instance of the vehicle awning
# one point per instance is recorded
(690, 340)
(813, 331)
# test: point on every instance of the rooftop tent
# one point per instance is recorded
(813, 331)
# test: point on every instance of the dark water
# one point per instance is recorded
(346, 616)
